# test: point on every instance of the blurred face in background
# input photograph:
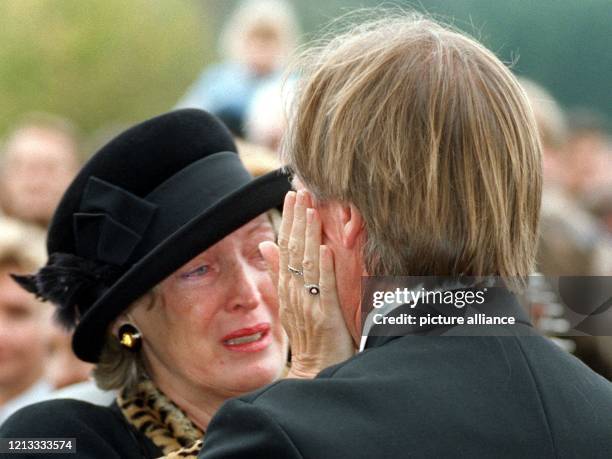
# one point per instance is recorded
(24, 327)
(63, 368)
(38, 166)
(588, 165)
(262, 50)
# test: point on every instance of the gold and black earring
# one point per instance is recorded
(129, 337)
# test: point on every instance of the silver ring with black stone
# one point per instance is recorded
(313, 289)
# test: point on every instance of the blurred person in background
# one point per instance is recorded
(589, 182)
(266, 118)
(552, 128)
(257, 159)
(600, 205)
(24, 322)
(589, 159)
(63, 366)
(572, 241)
(39, 159)
(255, 44)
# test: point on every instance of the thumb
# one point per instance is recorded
(270, 253)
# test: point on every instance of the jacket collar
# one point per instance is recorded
(499, 302)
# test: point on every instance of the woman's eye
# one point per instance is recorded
(199, 271)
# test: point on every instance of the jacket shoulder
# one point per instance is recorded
(51, 416)
(97, 430)
(496, 377)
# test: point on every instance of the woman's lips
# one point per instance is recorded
(248, 339)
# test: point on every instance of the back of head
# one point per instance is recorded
(431, 137)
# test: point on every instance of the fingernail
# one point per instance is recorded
(309, 215)
(300, 197)
(289, 200)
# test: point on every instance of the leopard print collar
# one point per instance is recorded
(190, 452)
(153, 414)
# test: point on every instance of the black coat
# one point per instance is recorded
(100, 432)
(430, 397)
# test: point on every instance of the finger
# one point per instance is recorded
(284, 233)
(308, 199)
(311, 247)
(270, 252)
(298, 231)
(327, 281)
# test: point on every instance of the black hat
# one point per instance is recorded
(144, 205)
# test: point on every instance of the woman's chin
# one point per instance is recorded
(252, 377)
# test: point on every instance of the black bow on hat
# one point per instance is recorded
(110, 223)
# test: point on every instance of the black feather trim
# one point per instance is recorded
(71, 283)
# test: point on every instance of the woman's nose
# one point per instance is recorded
(247, 295)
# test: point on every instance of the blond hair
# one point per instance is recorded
(431, 137)
(21, 246)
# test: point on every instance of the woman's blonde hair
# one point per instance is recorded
(431, 137)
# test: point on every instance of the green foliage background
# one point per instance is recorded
(105, 62)
(98, 61)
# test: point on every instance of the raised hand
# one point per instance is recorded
(309, 306)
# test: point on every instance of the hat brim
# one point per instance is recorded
(226, 216)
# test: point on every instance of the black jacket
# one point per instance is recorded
(430, 397)
(100, 432)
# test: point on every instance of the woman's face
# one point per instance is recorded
(215, 325)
